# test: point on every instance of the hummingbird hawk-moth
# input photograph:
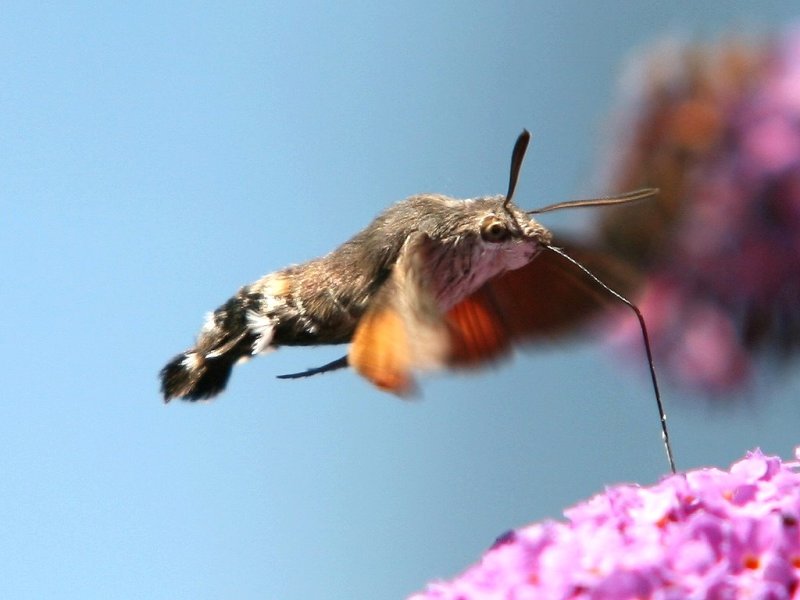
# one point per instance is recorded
(433, 282)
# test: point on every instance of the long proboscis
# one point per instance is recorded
(625, 198)
(661, 413)
(517, 156)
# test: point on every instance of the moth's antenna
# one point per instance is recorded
(603, 201)
(661, 414)
(517, 155)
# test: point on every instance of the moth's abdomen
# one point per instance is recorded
(288, 308)
(226, 337)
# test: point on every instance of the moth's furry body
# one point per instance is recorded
(322, 301)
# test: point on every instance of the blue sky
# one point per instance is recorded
(155, 158)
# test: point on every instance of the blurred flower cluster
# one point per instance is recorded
(704, 534)
(717, 128)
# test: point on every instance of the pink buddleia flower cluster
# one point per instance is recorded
(716, 128)
(705, 534)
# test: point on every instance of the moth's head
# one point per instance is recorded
(503, 229)
(510, 233)
(502, 223)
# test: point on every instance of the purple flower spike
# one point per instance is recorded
(716, 128)
(703, 534)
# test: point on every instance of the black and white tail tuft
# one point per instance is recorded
(203, 371)
(193, 377)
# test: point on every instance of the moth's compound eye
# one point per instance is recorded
(494, 230)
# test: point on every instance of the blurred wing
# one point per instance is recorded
(403, 329)
(547, 298)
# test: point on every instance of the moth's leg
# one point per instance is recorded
(339, 363)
